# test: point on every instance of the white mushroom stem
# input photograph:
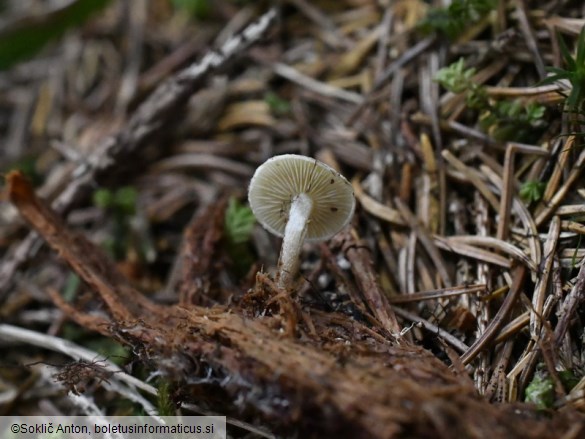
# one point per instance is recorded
(294, 236)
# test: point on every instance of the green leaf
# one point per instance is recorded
(532, 191)
(103, 198)
(455, 77)
(567, 57)
(25, 37)
(567, 377)
(238, 225)
(125, 200)
(239, 222)
(580, 56)
(277, 105)
(540, 391)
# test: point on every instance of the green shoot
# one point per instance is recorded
(239, 222)
(458, 79)
(455, 77)
(278, 106)
(122, 201)
(532, 191)
(540, 391)
(504, 120)
(574, 72)
(164, 402)
(568, 378)
(238, 225)
(454, 19)
(513, 120)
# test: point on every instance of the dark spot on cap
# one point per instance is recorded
(332, 181)
(334, 209)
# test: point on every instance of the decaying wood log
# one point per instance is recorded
(333, 377)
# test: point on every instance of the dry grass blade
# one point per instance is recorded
(426, 240)
(453, 341)
(473, 178)
(437, 294)
(503, 246)
(498, 321)
(508, 184)
(315, 86)
(472, 251)
(375, 208)
(544, 277)
(562, 191)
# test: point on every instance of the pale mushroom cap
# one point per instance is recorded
(280, 179)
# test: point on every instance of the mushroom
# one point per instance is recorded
(300, 199)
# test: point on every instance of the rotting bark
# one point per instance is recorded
(198, 254)
(340, 380)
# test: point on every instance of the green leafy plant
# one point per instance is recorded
(458, 79)
(532, 191)
(503, 120)
(239, 222)
(574, 72)
(455, 77)
(455, 18)
(277, 105)
(164, 402)
(121, 201)
(568, 379)
(513, 120)
(540, 391)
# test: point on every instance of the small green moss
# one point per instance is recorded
(540, 391)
